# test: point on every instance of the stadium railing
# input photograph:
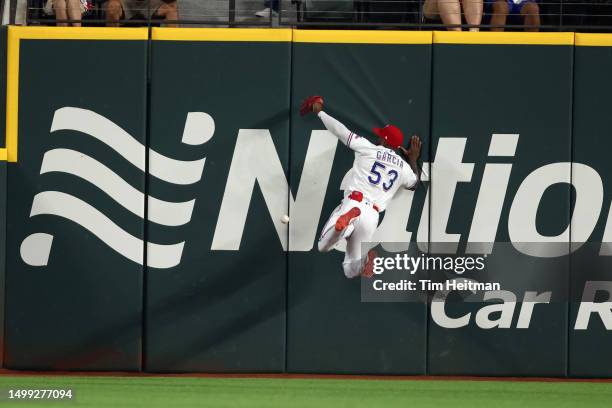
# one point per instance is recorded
(556, 15)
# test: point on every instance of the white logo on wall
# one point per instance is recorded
(256, 160)
(36, 248)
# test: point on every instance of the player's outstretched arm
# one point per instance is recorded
(336, 127)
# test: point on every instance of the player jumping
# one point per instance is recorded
(378, 173)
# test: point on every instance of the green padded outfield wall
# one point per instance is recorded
(2, 253)
(501, 118)
(197, 131)
(76, 176)
(589, 353)
(365, 85)
(220, 104)
(3, 60)
(3, 37)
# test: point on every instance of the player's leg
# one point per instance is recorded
(338, 226)
(329, 237)
(360, 243)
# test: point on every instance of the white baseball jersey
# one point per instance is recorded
(378, 172)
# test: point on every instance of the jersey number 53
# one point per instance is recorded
(377, 176)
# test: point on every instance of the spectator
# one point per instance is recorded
(529, 9)
(128, 9)
(271, 6)
(67, 10)
(450, 12)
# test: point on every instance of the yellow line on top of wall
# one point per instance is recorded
(79, 33)
(593, 40)
(511, 38)
(222, 34)
(362, 36)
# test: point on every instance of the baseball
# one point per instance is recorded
(285, 219)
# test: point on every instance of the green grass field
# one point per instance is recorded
(93, 391)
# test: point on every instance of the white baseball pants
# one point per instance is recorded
(358, 235)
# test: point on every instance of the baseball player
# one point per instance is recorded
(378, 173)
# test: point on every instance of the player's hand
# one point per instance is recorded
(414, 152)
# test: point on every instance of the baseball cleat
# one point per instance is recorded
(345, 219)
(368, 268)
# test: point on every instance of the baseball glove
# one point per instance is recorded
(306, 106)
